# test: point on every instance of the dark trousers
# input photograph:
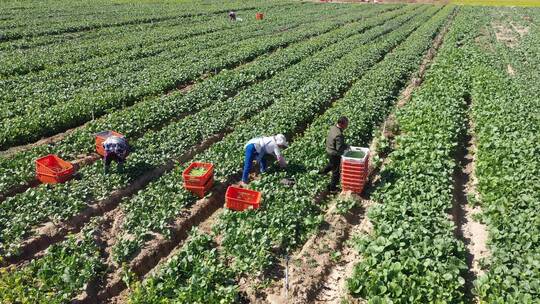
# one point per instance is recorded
(109, 157)
(334, 165)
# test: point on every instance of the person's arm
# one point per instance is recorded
(120, 149)
(262, 165)
(340, 143)
(279, 157)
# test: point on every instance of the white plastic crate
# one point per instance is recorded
(353, 159)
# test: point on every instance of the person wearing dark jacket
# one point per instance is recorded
(335, 147)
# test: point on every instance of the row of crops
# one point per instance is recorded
(175, 139)
(295, 72)
(154, 113)
(506, 119)
(347, 47)
(413, 243)
(54, 100)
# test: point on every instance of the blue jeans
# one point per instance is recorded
(250, 156)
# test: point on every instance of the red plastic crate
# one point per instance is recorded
(349, 174)
(200, 191)
(101, 137)
(352, 182)
(352, 189)
(240, 199)
(198, 180)
(51, 169)
(355, 166)
(355, 176)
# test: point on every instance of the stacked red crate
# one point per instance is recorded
(354, 171)
(199, 185)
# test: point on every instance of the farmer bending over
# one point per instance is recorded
(257, 148)
(232, 15)
(116, 148)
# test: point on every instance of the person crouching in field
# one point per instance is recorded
(232, 16)
(257, 148)
(117, 149)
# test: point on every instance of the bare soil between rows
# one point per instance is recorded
(159, 247)
(50, 233)
(82, 160)
(468, 229)
(319, 270)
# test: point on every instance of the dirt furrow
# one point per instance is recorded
(466, 199)
(324, 263)
(334, 289)
(51, 140)
(50, 233)
(82, 160)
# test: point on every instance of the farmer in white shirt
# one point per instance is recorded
(258, 147)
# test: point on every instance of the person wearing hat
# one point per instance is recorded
(335, 147)
(258, 147)
(116, 148)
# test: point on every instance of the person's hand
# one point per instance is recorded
(282, 162)
(242, 184)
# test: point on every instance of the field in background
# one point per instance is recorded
(447, 97)
(532, 3)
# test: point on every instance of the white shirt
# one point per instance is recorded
(266, 145)
(115, 145)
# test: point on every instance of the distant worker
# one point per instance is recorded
(117, 149)
(232, 15)
(335, 147)
(258, 147)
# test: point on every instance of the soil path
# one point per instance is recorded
(473, 233)
(334, 289)
(82, 160)
(51, 140)
(320, 269)
(51, 233)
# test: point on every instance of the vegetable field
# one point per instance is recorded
(446, 97)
